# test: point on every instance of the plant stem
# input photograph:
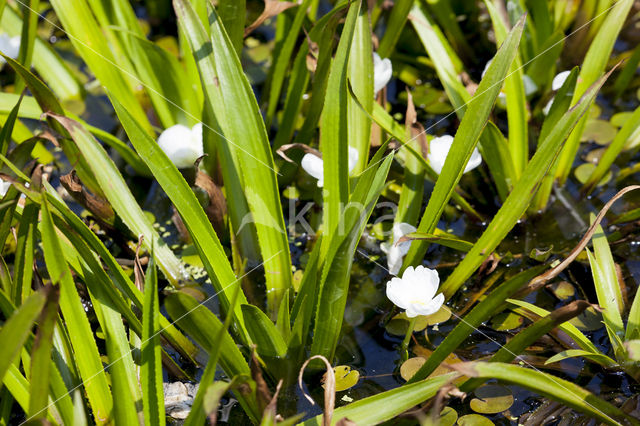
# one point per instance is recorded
(407, 338)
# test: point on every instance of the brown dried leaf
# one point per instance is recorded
(263, 395)
(329, 389)
(217, 208)
(414, 129)
(98, 206)
(306, 148)
(464, 368)
(271, 8)
(271, 409)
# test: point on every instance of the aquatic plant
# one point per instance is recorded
(123, 264)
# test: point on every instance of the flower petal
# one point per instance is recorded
(353, 158)
(400, 230)
(394, 259)
(559, 80)
(547, 107)
(178, 143)
(314, 165)
(411, 312)
(396, 292)
(385, 247)
(474, 161)
(10, 46)
(431, 307)
(4, 187)
(382, 71)
(486, 67)
(438, 150)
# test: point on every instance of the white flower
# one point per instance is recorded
(10, 46)
(556, 84)
(382, 70)
(439, 149)
(396, 252)
(4, 187)
(559, 80)
(547, 107)
(415, 291)
(182, 145)
(314, 165)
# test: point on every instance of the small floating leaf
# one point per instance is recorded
(345, 377)
(599, 131)
(594, 111)
(506, 321)
(541, 255)
(474, 420)
(595, 155)
(448, 417)
(425, 353)
(491, 399)
(398, 325)
(563, 290)
(620, 118)
(589, 320)
(584, 171)
(410, 366)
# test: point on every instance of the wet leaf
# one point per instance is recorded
(491, 399)
(541, 255)
(594, 111)
(599, 131)
(398, 325)
(595, 155)
(584, 171)
(620, 118)
(506, 321)
(448, 417)
(345, 377)
(563, 290)
(589, 320)
(410, 366)
(443, 315)
(474, 420)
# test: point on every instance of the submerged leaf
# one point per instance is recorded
(599, 131)
(583, 173)
(474, 420)
(491, 399)
(410, 366)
